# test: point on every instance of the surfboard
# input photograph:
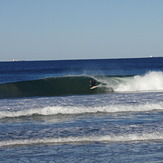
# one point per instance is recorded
(94, 87)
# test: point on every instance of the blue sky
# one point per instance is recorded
(80, 29)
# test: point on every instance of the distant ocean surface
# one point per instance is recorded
(48, 113)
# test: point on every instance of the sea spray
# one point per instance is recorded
(152, 81)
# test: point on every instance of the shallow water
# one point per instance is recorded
(94, 128)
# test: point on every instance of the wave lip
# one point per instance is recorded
(86, 139)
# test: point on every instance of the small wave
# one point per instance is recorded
(76, 110)
(86, 139)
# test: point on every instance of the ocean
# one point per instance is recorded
(48, 113)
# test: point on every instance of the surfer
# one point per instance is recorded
(92, 83)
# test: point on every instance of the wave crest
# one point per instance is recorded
(76, 110)
(86, 139)
(152, 81)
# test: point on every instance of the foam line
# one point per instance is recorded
(86, 139)
(69, 110)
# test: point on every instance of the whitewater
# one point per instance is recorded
(48, 113)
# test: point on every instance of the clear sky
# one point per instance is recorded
(80, 29)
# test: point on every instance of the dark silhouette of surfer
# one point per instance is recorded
(92, 83)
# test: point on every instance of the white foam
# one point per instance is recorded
(86, 139)
(54, 110)
(152, 81)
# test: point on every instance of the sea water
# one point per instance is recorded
(48, 113)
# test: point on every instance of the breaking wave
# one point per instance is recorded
(76, 110)
(80, 85)
(152, 81)
(86, 139)
(56, 86)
